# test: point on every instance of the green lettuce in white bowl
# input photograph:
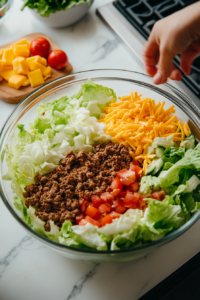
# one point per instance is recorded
(59, 13)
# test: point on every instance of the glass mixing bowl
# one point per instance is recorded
(5, 10)
(123, 82)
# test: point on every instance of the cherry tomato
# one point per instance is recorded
(57, 59)
(40, 46)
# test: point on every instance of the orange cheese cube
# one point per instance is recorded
(7, 68)
(8, 56)
(1, 78)
(47, 72)
(26, 82)
(1, 65)
(35, 65)
(6, 74)
(38, 59)
(36, 77)
(21, 50)
(1, 53)
(15, 81)
(22, 42)
(20, 65)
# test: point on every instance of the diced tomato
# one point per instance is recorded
(132, 200)
(103, 208)
(158, 195)
(135, 162)
(126, 176)
(142, 204)
(98, 216)
(115, 192)
(135, 186)
(106, 220)
(135, 169)
(116, 184)
(79, 218)
(106, 197)
(96, 201)
(118, 206)
(114, 215)
(92, 221)
(91, 211)
(123, 194)
(83, 222)
(83, 205)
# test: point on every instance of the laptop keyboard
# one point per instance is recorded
(142, 14)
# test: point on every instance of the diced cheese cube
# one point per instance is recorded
(36, 77)
(1, 65)
(15, 81)
(22, 42)
(21, 50)
(7, 68)
(47, 72)
(1, 53)
(6, 74)
(35, 66)
(38, 59)
(8, 56)
(20, 65)
(26, 82)
(1, 78)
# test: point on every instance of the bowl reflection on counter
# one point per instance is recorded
(123, 82)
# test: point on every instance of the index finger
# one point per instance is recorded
(151, 56)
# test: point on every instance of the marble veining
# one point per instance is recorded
(30, 270)
(77, 288)
(12, 254)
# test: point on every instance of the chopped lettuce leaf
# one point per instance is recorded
(148, 184)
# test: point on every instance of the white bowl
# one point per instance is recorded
(64, 18)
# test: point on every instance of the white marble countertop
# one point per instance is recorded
(29, 270)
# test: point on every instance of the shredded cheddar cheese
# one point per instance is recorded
(137, 121)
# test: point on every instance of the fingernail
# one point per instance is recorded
(157, 79)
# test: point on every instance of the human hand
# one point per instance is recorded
(177, 34)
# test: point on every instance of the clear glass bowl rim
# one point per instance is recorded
(169, 237)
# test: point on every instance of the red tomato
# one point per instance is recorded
(126, 176)
(142, 204)
(114, 215)
(92, 221)
(96, 201)
(119, 207)
(116, 184)
(135, 169)
(57, 59)
(135, 186)
(83, 205)
(99, 216)
(106, 197)
(103, 208)
(132, 200)
(158, 195)
(115, 192)
(135, 162)
(40, 46)
(91, 211)
(79, 218)
(106, 220)
(83, 222)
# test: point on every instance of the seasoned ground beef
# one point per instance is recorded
(56, 195)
